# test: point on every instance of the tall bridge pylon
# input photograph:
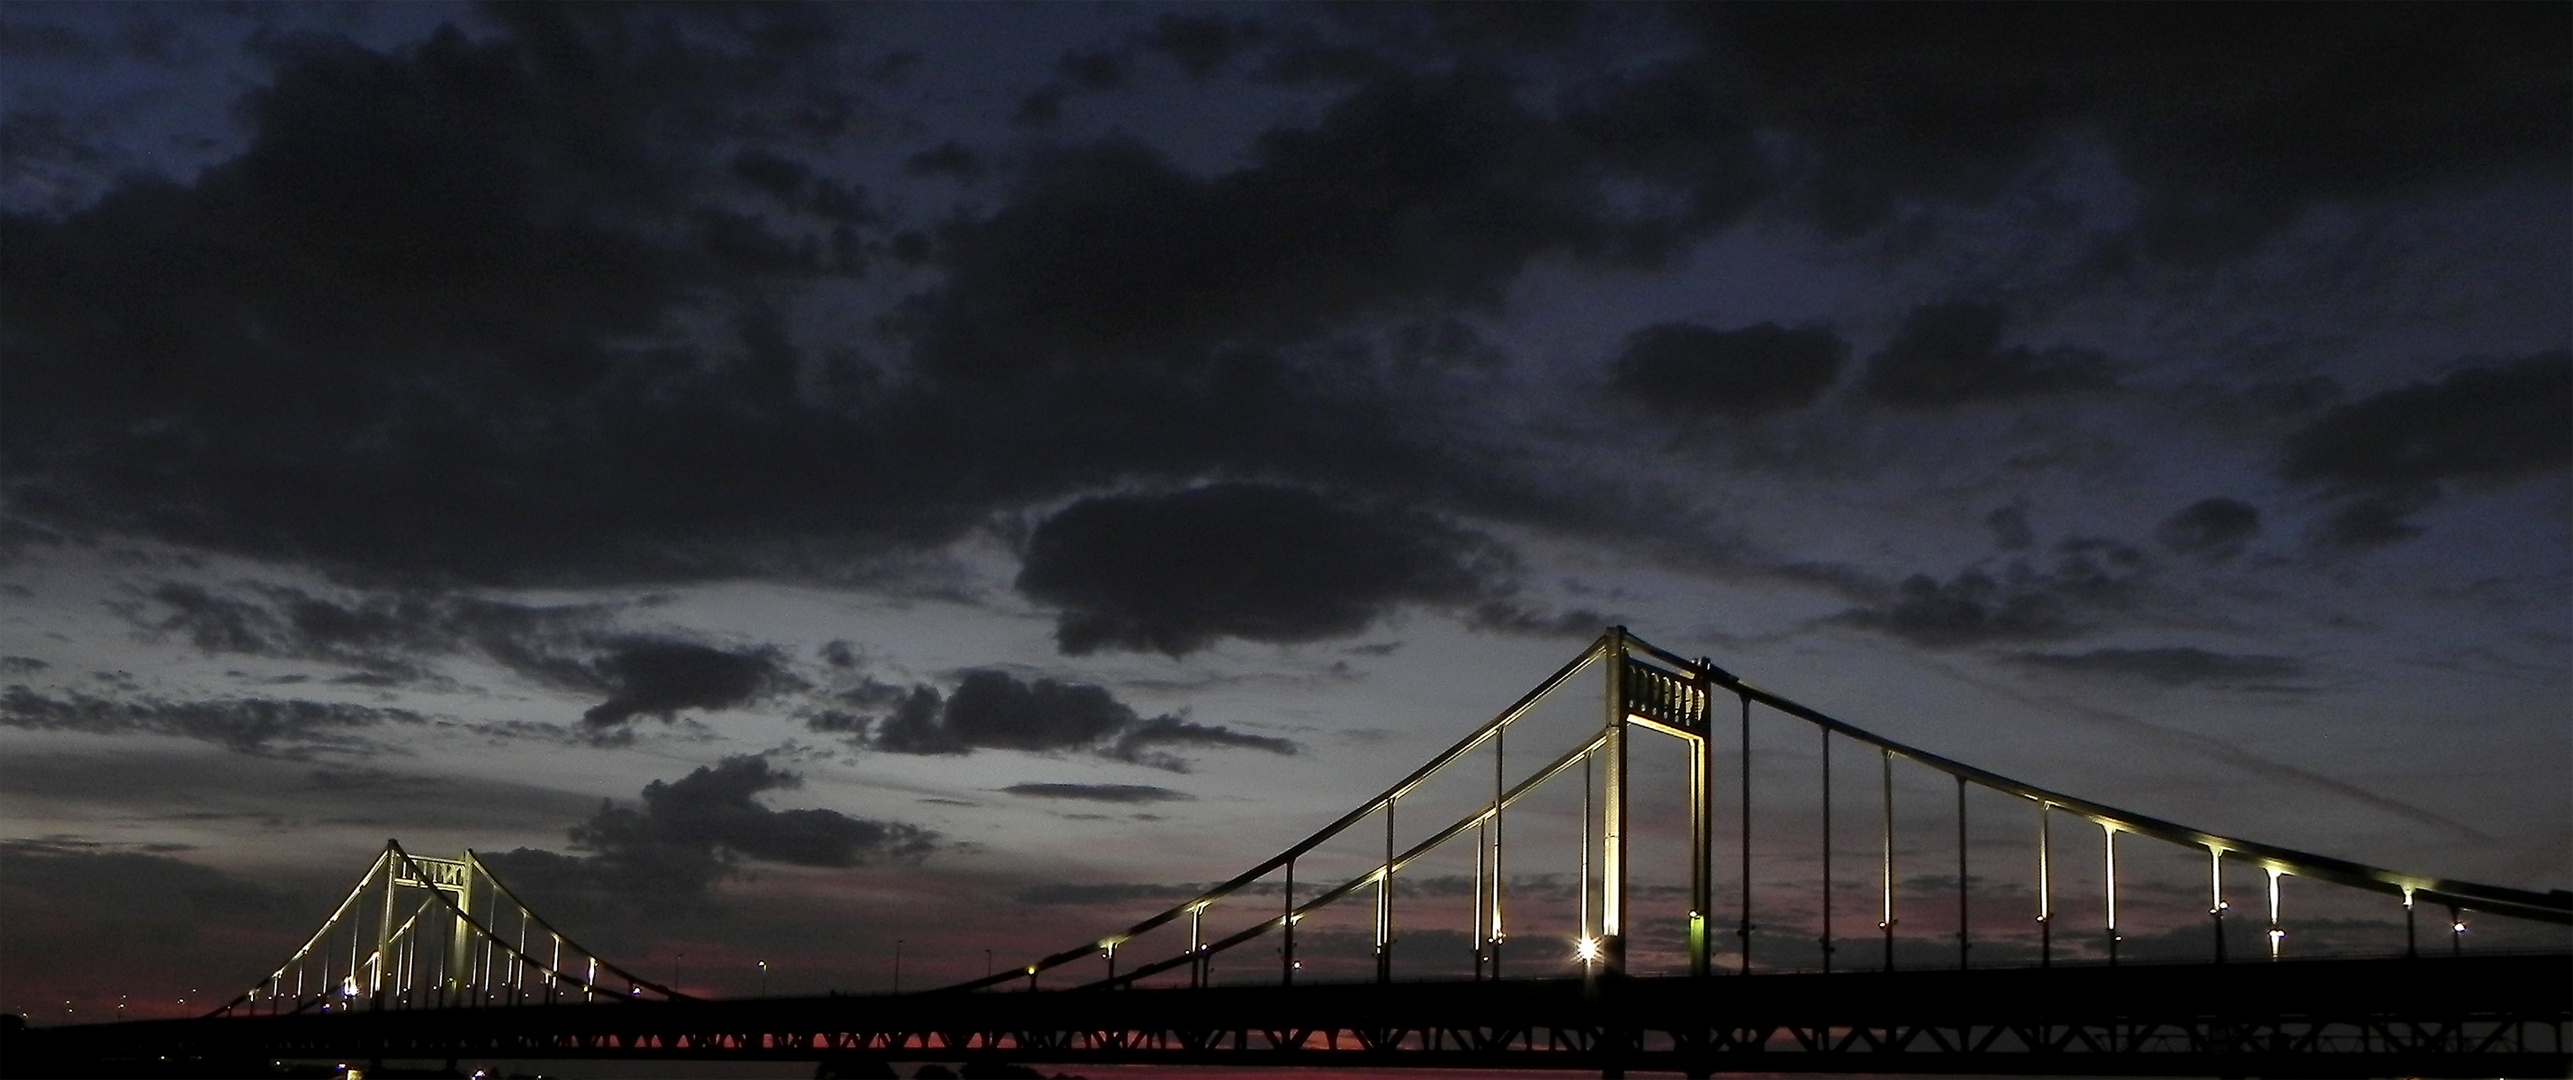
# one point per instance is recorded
(1646, 688)
(422, 932)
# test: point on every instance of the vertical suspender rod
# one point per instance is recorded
(1826, 941)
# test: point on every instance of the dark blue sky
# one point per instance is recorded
(959, 451)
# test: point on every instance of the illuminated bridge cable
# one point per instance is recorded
(1332, 895)
(2517, 903)
(393, 973)
(1656, 701)
(276, 979)
(482, 930)
(503, 890)
(1362, 812)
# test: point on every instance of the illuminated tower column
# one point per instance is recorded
(459, 964)
(1612, 820)
(1701, 837)
(384, 926)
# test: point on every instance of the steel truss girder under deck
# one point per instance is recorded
(2493, 1015)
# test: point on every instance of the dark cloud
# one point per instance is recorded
(994, 710)
(782, 179)
(1951, 354)
(1111, 793)
(659, 678)
(1685, 367)
(1408, 192)
(712, 808)
(1172, 573)
(2010, 531)
(1040, 108)
(950, 158)
(2022, 602)
(411, 207)
(2183, 666)
(839, 722)
(2232, 120)
(1441, 343)
(425, 308)
(53, 162)
(264, 726)
(692, 832)
(390, 637)
(2214, 529)
(1509, 29)
(2374, 521)
(474, 289)
(1095, 71)
(2392, 454)
(45, 42)
(1970, 608)
(1201, 45)
(386, 638)
(852, 711)
(222, 624)
(1681, 128)
(2476, 423)
(1514, 617)
(1059, 894)
(461, 313)
(2290, 396)
(1139, 743)
(526, 286)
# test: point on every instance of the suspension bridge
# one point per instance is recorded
(1610, 968)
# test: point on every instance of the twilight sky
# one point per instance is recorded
(784, 480)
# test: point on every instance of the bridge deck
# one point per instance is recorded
(2471, 1016)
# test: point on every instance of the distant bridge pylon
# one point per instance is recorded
(421, 932)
